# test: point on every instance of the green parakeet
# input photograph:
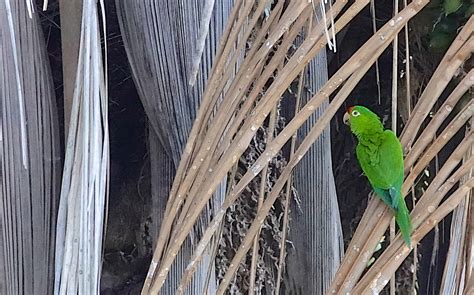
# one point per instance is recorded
(380, 156)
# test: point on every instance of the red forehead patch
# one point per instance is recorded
(349, 109)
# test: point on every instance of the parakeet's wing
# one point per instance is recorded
(385, 196)
(384, 167)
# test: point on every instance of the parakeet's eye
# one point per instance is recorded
(355, 113)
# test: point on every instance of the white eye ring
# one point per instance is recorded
(355, 113)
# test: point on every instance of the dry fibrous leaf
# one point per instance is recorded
(428, 210)
(240, 215)
(217, 142)
(248, 129)
(316, 233)
(84, 190)
(160, 39)
(29, 154)
(455, 267)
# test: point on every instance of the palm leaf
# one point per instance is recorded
(228, 157)
(316, 232)
(207, 160)
(429, 210)
(84, 190)
(30, 155)
(160, 38)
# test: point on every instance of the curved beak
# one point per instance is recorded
(345, 119)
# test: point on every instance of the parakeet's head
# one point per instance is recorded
(362, 120)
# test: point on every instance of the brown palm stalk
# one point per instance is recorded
(362, 62)
(185, 183)
(356, 67)
(369, 232)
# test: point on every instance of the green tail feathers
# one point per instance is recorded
(403, 220)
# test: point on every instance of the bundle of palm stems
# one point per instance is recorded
(239, 103)
(270, 65)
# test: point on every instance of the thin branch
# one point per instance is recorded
(261, 197)
(361, 246)
(377, 69)
(407, 68)
(454, 126)
(289, 183)
(458, 52)
(394, 255)
(394, 121)
(429, 132)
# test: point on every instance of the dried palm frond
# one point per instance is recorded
(213, 167)
(84, 190)
(30, 5)
(167, 51)
(428, 210)
(160, 63)
(316, 232)
(30, 157)
(456, 262)
(224, 129)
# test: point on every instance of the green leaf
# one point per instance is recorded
(451, 6)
